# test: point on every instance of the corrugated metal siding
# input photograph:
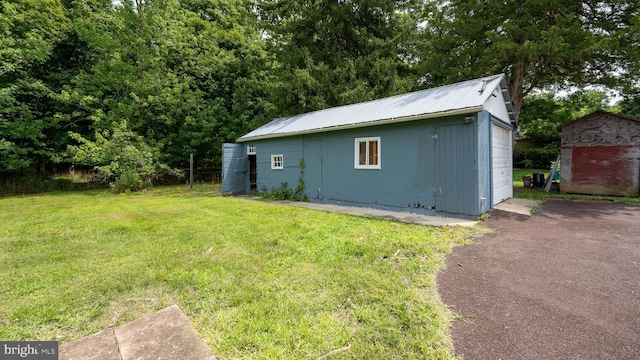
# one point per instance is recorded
(465, 97)
(398, 183)
(410, 165)
(291, 150)
(313, 168)
(234, 169)
(456, 174)
(484, 162)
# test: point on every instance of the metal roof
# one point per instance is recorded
(460, 98)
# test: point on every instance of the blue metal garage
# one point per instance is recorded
(442, 150)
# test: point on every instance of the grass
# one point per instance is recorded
(257, 280)
(539, 194)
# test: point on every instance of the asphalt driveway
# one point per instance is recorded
(562, 284)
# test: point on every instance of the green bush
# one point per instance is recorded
(121, 158)
(129, 180)
(282, 193)
(537, 158)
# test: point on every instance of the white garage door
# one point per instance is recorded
(501, 168)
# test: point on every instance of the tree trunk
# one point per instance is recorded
(516, 86)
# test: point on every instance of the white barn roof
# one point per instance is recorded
(488, 93)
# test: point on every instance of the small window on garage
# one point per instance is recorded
(277, 162)
(251, 149)
(367, 153)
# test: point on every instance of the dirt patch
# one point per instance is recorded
(563, 284)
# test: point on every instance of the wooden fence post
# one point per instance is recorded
(191, 171)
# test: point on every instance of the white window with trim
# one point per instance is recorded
(251, 149)
(367, 153)
(277, 162)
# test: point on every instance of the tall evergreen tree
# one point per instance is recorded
(537, 43)
(332, 52)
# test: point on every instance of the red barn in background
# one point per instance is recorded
(601, 155)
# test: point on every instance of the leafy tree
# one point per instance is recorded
(541, 118)
(333, 53)
(630, 105)
(29, 30)
(121, 157)
(186, 75)
(538, 44)
(543, 114)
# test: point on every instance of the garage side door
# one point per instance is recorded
(455, 170)
(501, 164)
(235, 169)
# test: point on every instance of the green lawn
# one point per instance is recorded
(539, 194)
(257, 280)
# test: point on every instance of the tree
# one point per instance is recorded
(543, 114)
(630, 105)
(541, 118)
(186, 75)
(538, 44)
(331, 53)
(29, 30)
(122, 158)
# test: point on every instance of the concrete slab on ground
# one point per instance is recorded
(100, 346)
(518, 206)
(513, 205)
(401, 216)
(165, 334)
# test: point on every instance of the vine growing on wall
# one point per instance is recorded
(298, 194)
(284, 192)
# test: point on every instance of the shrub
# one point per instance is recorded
(282, 193)
(121, 157)
(537, 158)
(128, 180)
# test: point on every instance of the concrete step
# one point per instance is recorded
(165, 334)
